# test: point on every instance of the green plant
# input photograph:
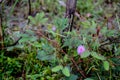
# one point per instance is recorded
(38, 19)
(65, 70)
(51, 52)
(88, 7)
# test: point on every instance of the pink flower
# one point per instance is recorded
(54, 28)
(80, 49)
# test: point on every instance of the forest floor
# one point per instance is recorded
(37, 43)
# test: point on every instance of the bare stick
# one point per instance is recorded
(70, 10)
(29, 5)
(1, 30)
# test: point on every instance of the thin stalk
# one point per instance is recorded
(118, 21)
(13, 7)
(29, 5)
(98, 76)
(1, 27)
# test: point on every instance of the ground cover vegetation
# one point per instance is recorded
(49, 40)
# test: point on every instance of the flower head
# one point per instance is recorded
(54, 28)
(80, 49)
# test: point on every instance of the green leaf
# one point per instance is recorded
(24, 35)
(88, 79)
(33, 38)
(66, 71)
(25, 39)
(86, 24)
(30, 32)
(72, 77)
(61, 23)
(57, 68)
(85, 54)
(41, 15)
(106, 65)
(36, 44)
(38, 19)
(43, 20)
(10, 48)
(98, 56)
(32, 19)
(43, 56)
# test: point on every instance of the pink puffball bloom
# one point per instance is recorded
(54, 28)
(80, 49)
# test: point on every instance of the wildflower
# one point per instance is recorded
(54, 28)
(80, 49)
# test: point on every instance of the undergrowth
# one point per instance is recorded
(47, 51)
